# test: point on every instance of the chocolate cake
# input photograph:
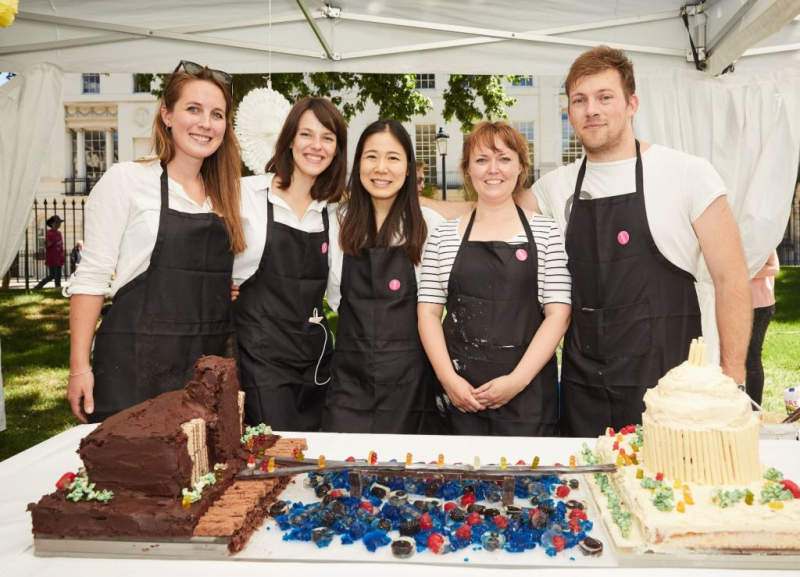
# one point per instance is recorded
(149, 454)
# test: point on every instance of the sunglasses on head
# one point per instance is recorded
(194, 69)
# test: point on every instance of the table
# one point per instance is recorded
(27, 476)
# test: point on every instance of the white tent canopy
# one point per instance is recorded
(451, 36)
(746, 123)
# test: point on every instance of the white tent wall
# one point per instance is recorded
(747, 126)
(745, 123)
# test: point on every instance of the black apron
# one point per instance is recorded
(492, 315)
(634, 313)
(381, 381)
(164, 319)
(279, 348)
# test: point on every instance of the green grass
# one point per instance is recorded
(781, 354)
(34, 328)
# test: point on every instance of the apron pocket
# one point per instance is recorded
(613, 332)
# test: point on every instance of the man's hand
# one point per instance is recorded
(234, 291)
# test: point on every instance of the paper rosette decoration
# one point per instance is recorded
(258, 122)
(8, 11)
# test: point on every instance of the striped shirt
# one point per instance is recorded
(553, 277)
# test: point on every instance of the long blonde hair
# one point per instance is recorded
(222, 171)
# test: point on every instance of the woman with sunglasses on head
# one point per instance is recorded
(381, 379)
(160, 239)
(283, 339)
(501, 274)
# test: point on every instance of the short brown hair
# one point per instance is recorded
(600, 59)
(329, 185)
(484, 133)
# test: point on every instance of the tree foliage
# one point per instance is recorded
(395, 95)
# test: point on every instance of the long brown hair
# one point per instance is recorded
(329, 185)
(484, 134)
(358, 230)
(222, 171)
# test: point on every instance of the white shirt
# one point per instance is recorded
(254, 222)
(121, 221)
(432, 220)
(678, 187)
(553, 278)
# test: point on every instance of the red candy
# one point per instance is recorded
(559, 543)
(610, 431)
(534, 515)
(65, 481)
(562, 491)
(472, 519)
(629, 430)
(367, 506)
(425, 522)
(577, 514)
(436, 543)
(464, 532)
(336, 493)
(521, 462)
(575, 525)
(616, 446)
(448, 506)
(792, 487)
(350, 459)
(467, 499)
(500, 522)
(659, 476)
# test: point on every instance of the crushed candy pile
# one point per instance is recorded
(439, 515)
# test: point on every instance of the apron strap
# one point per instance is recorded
(468, 230)
(162, 216)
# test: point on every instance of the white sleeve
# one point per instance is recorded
(557, 280)
(335, 259)
(702, 185)
(431, 289)
(106, 221)
(539, 190)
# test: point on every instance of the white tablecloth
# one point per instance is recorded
(24, 478)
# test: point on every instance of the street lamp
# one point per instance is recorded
(441, 145)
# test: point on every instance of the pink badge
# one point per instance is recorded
(394, 284)
(521, 254)
(623, 237)
(324, 248)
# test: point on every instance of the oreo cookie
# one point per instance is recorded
(590, 546)
(403, 547)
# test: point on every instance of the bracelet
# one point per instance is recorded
(86, 372)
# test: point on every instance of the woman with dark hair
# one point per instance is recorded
(502, 276)
(160, 239)
(381, 379)
(283, 339)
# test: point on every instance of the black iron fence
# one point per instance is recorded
(29, 266)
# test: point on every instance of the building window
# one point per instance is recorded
(141, 83)
(425, 141)
(91, 83)
(426, 81)
(526, 129)
(523, 81)
(571, 148)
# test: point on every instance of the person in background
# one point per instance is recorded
(762, 292)
(75, 255)
(53, 252)
(501, 276)
(420, 177)
(160, 239)
(283, 339)
(636, 217)
(381, 379)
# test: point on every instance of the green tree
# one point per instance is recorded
(395, 95)
(461, 99)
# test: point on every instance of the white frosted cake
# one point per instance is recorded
(689, 477)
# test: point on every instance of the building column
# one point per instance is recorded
(69, 157)
(80, 154)
(109, 147)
